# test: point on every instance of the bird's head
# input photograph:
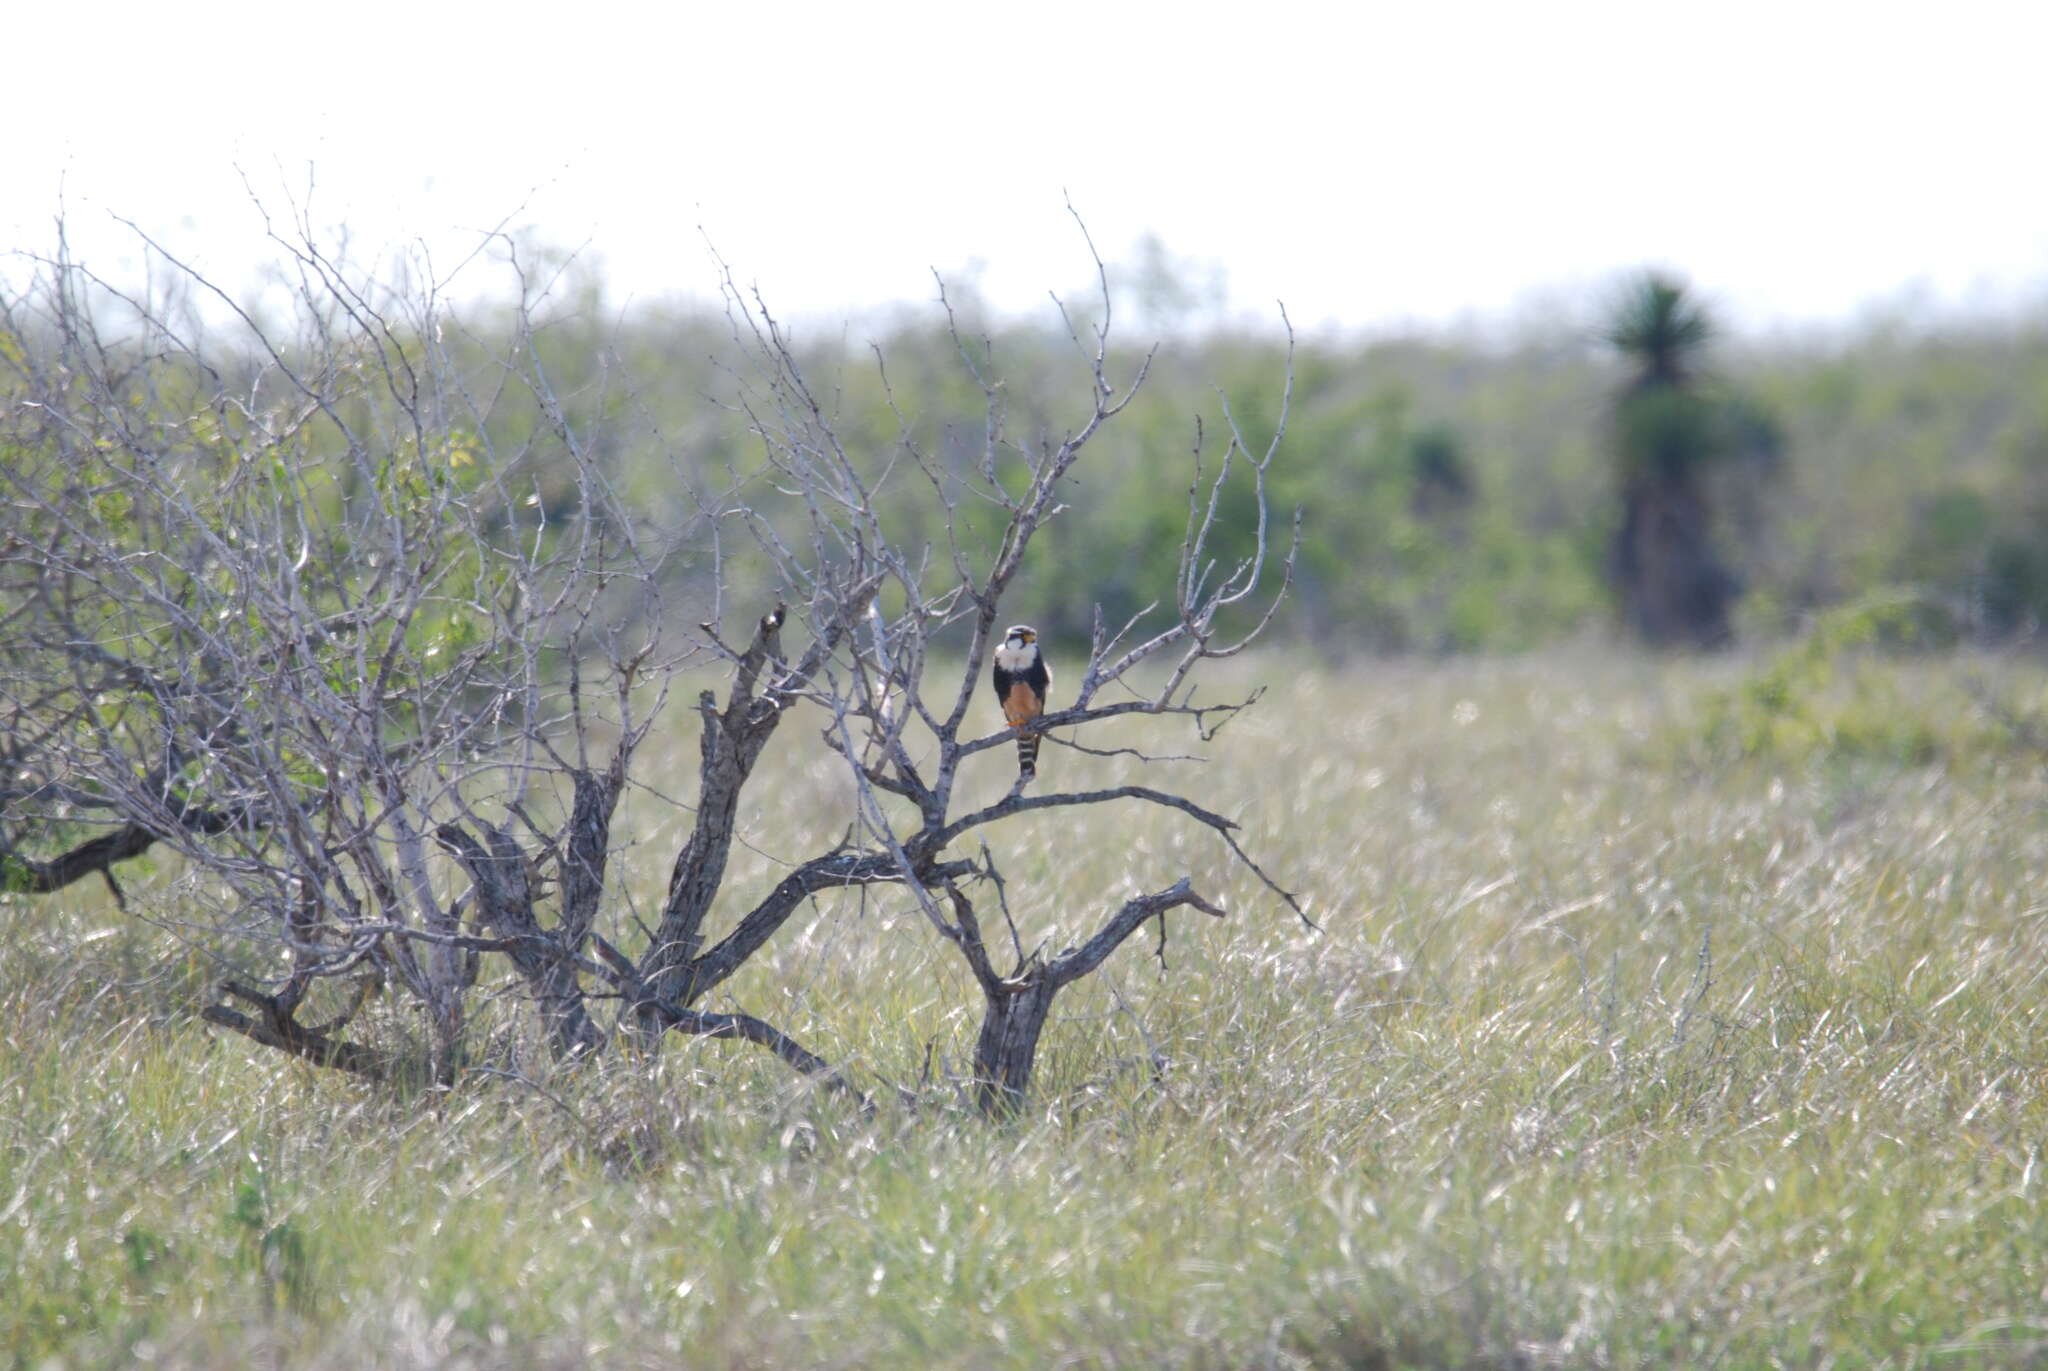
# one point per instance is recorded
(1020, 636)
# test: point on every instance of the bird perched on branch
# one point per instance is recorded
(1022, 681)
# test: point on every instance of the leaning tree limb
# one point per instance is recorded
(276, 1027)
(731, 744)
(644, 1003)
(97, 856)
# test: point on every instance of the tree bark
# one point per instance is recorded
(32, 877)
(1017, 1007)
(731, 743)
(1675, 589)
(1008, 1046)
(505, 902)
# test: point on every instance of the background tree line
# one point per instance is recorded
(1459, 494)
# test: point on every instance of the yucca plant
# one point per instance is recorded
(1669, 429)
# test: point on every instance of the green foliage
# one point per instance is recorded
(1661, 327)
(275, 1249)
(1841, 691)
(1456, 495)
(1987, 543)
(145, 1250)
(1665, 432)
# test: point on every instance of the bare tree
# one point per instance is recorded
(304, 605)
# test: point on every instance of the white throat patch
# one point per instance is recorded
(1018, 657)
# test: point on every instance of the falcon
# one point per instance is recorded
(1021, 681)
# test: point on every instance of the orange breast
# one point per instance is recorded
(1022, 703)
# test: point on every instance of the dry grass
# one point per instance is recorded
(1608, 1055)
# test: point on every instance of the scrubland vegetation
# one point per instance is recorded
(1618, 1047)
(1461, 494)
(1655, 1009)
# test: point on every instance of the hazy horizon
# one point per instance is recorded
(1379, 171)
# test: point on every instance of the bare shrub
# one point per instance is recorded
(347, 610)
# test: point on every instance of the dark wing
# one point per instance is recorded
(1001, 679)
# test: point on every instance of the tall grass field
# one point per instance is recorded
(1661, 1014)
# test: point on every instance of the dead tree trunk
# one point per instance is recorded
(1016, 1006)
(505, 896)
(1008, 1046)
(732, 741)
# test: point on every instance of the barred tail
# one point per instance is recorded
(1027, 754)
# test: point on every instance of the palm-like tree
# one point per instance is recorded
(1675, 588)
(1657, 325)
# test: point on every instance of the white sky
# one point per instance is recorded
(1372, 165)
